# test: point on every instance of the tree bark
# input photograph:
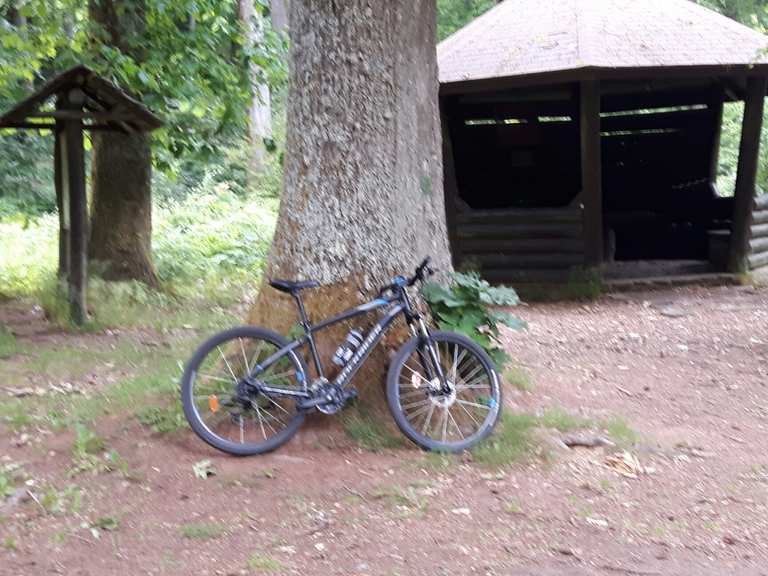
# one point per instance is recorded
(260, 110)
(363, 196)
(121, 217)
(278, 14)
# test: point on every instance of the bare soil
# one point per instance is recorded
(685, 369)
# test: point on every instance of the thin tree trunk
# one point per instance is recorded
(121, 217)
(363, 196)
(260, 111)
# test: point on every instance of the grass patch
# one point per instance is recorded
(620, 432)
(437, 461)
(518, 377)
(513, 506)
(163, 419)
(405, 500)
(163, 381)
(8, 344)
(133, 304)
(264, 564)
(367, 432)
(512, 441)
(562, 421)
(202, 531)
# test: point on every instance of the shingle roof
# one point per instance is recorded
(109, 98)
(520, 37)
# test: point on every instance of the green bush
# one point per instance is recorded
(466, 306)
(206, 247)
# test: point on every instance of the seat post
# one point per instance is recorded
(302, 313)
(307, 327)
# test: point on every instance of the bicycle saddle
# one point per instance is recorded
(291, 286)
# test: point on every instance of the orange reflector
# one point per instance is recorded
(213, 403)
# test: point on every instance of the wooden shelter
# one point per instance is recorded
(585, 134)
(69, 104)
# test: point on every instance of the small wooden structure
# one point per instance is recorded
(577, 134)
(82, 101)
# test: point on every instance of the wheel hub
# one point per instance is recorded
(445, 399)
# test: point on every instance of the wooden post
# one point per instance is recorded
(73, 179)
(591, 171)
(62, 202)
(716, 108)
(450, 186)
(746, 176)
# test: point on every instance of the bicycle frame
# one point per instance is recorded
(399, 304)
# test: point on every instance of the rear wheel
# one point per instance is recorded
(224, 411)
(450, 416)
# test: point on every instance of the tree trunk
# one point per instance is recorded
(121, 217)
(363, 196)
(260, 111)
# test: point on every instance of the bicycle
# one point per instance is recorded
(442, 389)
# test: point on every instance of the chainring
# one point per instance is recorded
(334, 397)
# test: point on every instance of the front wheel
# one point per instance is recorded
(448, 416)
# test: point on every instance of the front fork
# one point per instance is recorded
(431, 359)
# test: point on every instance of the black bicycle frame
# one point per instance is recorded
(399, 305)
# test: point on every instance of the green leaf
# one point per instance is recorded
(434, 293)
(500, 296)
(508, 320)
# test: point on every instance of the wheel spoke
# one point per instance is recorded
(211, 377)
(475, 404)
(428, 419)
(445, 423)
(234, 378)
(454, 423)
(245, 358)
(261, 420)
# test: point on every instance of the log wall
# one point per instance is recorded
(537, 245)
(758, 240)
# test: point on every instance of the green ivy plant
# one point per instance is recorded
(468, 305)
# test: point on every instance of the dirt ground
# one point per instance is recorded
(681, 373)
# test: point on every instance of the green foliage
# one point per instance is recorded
(518, 377)
(28, 254)
(8, 346)
(202, 531)
(467, 307)
(212, 240)
(26, 174)
(367, 432)
(190, 61)
(163, 419)
(7, 486)
(512, 441)
(455, 14)
(210, 246)
(562, 421)
(264, 564)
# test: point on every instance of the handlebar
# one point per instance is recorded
(423, 271)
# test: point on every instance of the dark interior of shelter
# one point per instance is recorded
(519, 150)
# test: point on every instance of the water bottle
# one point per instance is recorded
(348, 348)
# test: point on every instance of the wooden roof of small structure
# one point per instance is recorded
(572, 39)
(104, 103)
